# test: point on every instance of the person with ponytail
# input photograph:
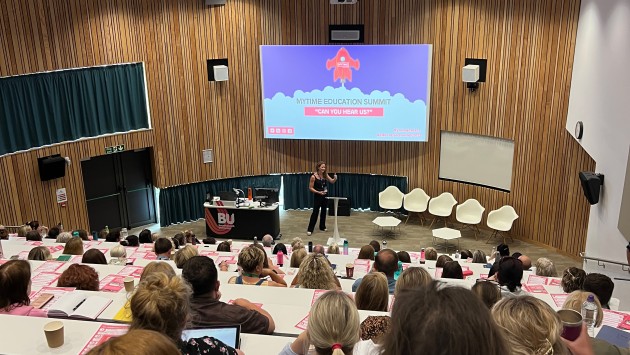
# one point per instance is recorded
(333, 327)
(509, 275)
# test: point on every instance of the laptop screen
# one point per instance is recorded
(228, 334)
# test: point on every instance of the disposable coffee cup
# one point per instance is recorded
(54, 334)
(349, 270)
(129, 283)
(571, 324)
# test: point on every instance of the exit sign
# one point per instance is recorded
(115, 149)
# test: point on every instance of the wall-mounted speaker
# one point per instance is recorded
(215, 2)
(591, 183)
(345, 33)
(51, 167)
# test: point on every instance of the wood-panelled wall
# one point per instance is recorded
(529, 46)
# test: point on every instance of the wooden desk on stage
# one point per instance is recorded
(243, 222)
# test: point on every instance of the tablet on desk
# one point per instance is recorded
(228, 334)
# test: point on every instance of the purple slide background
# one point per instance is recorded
(394, 68)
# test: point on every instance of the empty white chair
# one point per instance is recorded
(441, 207)
(416, 202)
(501, 221)
(391, 198)
(469, 214)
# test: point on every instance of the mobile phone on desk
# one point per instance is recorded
(41, 300)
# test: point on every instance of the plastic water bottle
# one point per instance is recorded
(124, 234)
(107, 229)
(256, 240)
(457, 255)
(422, 254)
(384, 244)
(589, 313)
(345, 247)
(280, 256)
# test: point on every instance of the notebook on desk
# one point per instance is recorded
(78, 305)
(228, 334)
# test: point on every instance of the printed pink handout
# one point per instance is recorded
(134, 271)
(537, 280)
(535, 289)
(317, 294)
(50, 266)
(44, 279)
(104, 333)
(303, 323)
(559, 299)
(112, 283)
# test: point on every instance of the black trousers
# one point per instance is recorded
(320, 203)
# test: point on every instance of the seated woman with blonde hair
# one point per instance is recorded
(412, 277)
(333, 249)
(297, 257)
(184, 254)
(157, 267)
(316, 273)
(251, 260)
(373, 293)
(118, 255)
(143, 342)
(333, 327)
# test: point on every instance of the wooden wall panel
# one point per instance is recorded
(529, 46)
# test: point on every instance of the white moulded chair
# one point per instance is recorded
(500, 221)
(469, 214)
(416, 202)
(441, 207)
(390, 199)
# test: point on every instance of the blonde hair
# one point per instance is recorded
(143, 342)
(183, 254)
(157, 267)
(488, 292)
(74, 246)
(334, 319)
(545, 267)
(23, 230)
(63, 237)
(298, 256)
(373, 293)
(315, 273)
(118, 251)
(479, 257)
(575, 300)
(412, 277)
(161, 303)
(333, 249)
(251, 258)
(430, 253)
(297, 243)
(529, 325)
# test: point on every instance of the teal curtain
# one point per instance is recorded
(46, 108)
(361, 189)
(185, 203)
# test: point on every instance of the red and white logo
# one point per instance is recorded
(224, 222)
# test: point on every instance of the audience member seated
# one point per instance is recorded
(316, 273)
(184, 254)
(503, 250)
(83, 234)
(509, 275)
(386, 261)
(374, 329)
(333, 249)
(575, 300)
(82, 277)
(143, 342)
(441, 261)
(487, 291)
(33, 224)
(373, 293)
(63, 237)
(412, 277)
(22, 231)
(224, 246)
(466, 254)
(113, 236)
(40, 253)
(94, 256)
(251, 260)
(162, 304)
(297, 257)
(4, 233)
(404, 257)
(333, 327)
(430, 254)
(422, 317)
(545, 267)
(319, 249)
(526, 261)
(145, 237)
(267, 240)
(118, 255)
(180, 239)
(267, 264)
(191, 238)
(530, 325)
(366, 253)
(297, 243)
(53, 233)
(572, 279)
(479, 257)
(376, 245)
(43, 231)
(280, 247)
(154, 237)
(601, 285)
(15, 287)
(209, 241)
(162, 248)
(102, 234)
(201, 273)
(74, 246)
(157, 267)
(33, 236)
(133, 241)
(452, 270)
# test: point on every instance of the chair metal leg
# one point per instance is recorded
(407, 220)
(494, 232)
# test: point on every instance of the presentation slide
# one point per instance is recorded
(360, 92)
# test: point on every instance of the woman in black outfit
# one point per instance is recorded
(318, 186)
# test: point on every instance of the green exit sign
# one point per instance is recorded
(115, 149)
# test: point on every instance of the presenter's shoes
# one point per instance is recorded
(308, 233)
(324, 230)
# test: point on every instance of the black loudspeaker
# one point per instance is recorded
(343, 209)
(51, 167)
(591, 183)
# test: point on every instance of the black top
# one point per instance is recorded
(320, 184)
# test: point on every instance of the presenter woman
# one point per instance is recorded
(318, 186)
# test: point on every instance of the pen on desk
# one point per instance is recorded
(79, 305)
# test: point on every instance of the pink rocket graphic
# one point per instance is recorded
(343, 65)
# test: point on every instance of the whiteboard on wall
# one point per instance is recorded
(475, 159)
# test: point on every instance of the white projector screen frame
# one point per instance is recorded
(477, 160)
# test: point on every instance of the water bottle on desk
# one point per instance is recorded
(457, 255)
(124, 233)
(256, 240)
(384, 244)
(345, 247)
(422, 254)
(280, 256)
(589, 313)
